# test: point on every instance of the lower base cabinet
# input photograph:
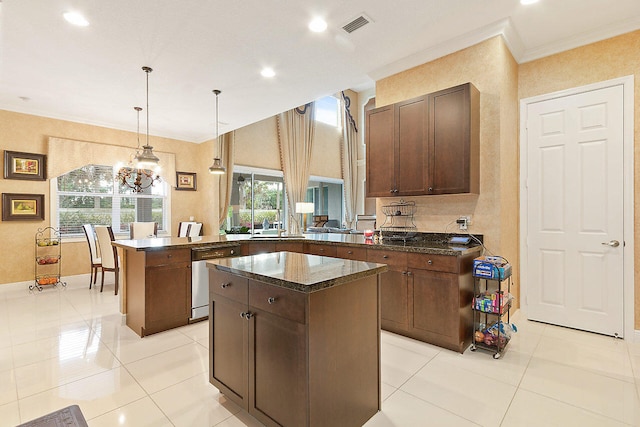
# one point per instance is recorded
(158, 290)
(287, 358)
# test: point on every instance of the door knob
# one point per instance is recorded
(612, 243)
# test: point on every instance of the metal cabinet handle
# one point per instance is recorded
(409, 273)
(385, 256)
(404, 273)
(248, 315)
(350, 252)
(225, 285)
(232, 252)
(271, 300)
(391, 191)
(429, 262)
(612, 243)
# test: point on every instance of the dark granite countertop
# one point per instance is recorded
(300, 272)
(428, 243)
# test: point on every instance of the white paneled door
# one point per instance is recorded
(575, 211)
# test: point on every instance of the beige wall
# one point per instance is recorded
(609, 59)
(492, 69)
(22, 132)
(256, 145)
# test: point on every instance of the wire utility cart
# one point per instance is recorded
(47, 258)
(491, 303)
(398, 223)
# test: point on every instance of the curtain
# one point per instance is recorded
(226, 181)
(349, 158)
(296, 129)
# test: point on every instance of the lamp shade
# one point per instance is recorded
(304, 207)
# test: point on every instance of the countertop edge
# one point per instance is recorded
(373, 269)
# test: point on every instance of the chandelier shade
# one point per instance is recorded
(217, 168)
(143, 168)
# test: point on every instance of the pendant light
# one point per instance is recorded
(133, 177)
(217, 168)
(146, 159)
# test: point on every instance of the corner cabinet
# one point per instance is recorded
(425, 145)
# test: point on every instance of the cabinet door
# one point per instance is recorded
(379, 135)
(228, 349)
(167, 297)
(290, 247)
(394, 300)
(277, 369)
(454, 140)
(435, 304)
(411, 153)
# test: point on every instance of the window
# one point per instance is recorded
(257, 202)
(327, 109)
(90, 195)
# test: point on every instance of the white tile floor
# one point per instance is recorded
(68, 346)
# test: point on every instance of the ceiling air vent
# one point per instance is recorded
(356, 23)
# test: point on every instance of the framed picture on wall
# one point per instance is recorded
(25, 166)
(186, 181)
(22, 207)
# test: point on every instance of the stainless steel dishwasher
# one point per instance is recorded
(200, 275)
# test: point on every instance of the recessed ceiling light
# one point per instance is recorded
(76, 18)
(528, 1)
(318, 25)
(267, 72)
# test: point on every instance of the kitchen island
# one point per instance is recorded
(294, 339)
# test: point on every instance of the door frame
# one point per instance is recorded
(627, 83)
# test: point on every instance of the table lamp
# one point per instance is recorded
(304, 208)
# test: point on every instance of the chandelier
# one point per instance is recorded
(144, 173)
(217, 168)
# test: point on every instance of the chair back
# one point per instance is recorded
(91, 240)
(143, 230)
(194, 229)
(189, 228)
(107, 250)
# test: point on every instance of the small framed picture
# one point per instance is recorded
(25, 166)
(186, 181)
(22, 207)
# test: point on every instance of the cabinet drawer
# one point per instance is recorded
(279, 301)
(320, 249)
(446, 263)
(392, 258)
(154, 258)
(358, 254)
(229, 285)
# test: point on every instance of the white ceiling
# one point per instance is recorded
(93, 74)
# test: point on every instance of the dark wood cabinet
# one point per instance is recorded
(454, 140)
(283, 356)
(425, 145)
(380, 143)
(412, 166)
(440, 293)
(158, 289)
(394, 290)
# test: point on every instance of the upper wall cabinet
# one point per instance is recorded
(425, 145)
